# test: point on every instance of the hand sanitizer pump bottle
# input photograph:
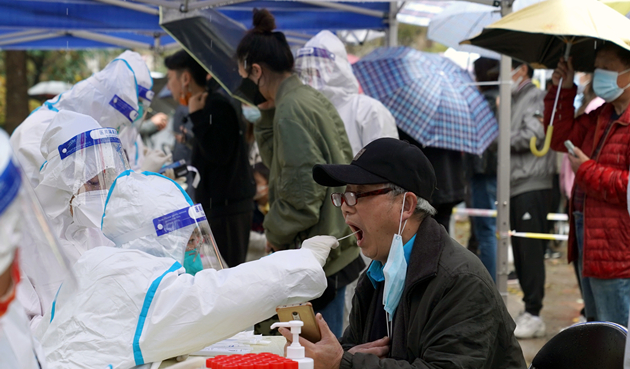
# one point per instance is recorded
(295, 351)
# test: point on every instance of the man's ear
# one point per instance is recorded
(411, 201)
(185, 78)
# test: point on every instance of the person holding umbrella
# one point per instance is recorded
(298, 128)
(598, 241)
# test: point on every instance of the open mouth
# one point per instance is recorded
(359, 234)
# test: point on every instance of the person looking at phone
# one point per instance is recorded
(599, 219)
(425, 301)
(219, 153)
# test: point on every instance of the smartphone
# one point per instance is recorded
(569, 145)
(305, 313)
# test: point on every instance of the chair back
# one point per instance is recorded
(585, 345)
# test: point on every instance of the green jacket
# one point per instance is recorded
(303, 130)
(450, 315)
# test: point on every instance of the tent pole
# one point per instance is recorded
(132, 6)
(110, 40)
(22, 33)
(347, 8)
(6, 44)
(392, 31)
(503, 170)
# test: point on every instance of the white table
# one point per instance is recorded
(275, 347)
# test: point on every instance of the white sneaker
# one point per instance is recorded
(529, 326)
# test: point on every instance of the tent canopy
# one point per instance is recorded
(80, 24)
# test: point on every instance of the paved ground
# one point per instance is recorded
(562, 301)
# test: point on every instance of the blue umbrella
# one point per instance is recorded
(432, 99)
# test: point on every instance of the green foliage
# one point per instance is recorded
(408, 35)
(3, 92)
(56, 65)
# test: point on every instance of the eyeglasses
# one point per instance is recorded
(351, 198)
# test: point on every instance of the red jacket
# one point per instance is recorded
(604, 179)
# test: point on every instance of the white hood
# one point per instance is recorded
(109, 96)
(329, 72)
(54, 191)
(134, 201)
(143, 75)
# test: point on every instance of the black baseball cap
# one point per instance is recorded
(385, 160)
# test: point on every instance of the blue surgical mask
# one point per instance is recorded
(605, 84)
(140, 113)
(515, 84)
(251, 113)
(192, 262)
(395, 271)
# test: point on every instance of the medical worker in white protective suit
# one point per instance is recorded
(323, 64)
(24, 234)
(140, 157)
(138, 303)
(109, 96)
(82, 161)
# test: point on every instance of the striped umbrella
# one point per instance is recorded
(433, 100)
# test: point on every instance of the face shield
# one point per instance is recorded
(25, 232)
(315, 66)
(183, 235)
(190, 225)
(149, 212)
(83, 168)
(144, 80)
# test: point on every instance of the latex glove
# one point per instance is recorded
(320, 246)
(154, 160)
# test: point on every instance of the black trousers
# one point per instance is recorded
(443, 215)
(232, 235)
(528, 213)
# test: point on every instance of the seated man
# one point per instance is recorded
(427, 304)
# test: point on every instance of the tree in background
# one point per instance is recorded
(23, 69)
(408, 35)
(16, 98)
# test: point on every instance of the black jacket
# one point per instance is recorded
(220, 154)
(486, 163)
(449, 172)
(450, 314)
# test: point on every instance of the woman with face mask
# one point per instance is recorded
(219, 152)
(82, 161)
(600, 223)
(298, 128)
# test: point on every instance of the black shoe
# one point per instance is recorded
(512, 276)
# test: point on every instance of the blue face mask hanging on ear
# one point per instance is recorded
(395, 271)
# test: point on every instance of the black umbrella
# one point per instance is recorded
(211, 38)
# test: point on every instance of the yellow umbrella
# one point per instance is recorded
(542, 33)
(621, 6)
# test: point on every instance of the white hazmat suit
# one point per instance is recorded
(323, 64)
(109, 96)
(134, 307)
(131, 140)
(82, 161)
(23, 228)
